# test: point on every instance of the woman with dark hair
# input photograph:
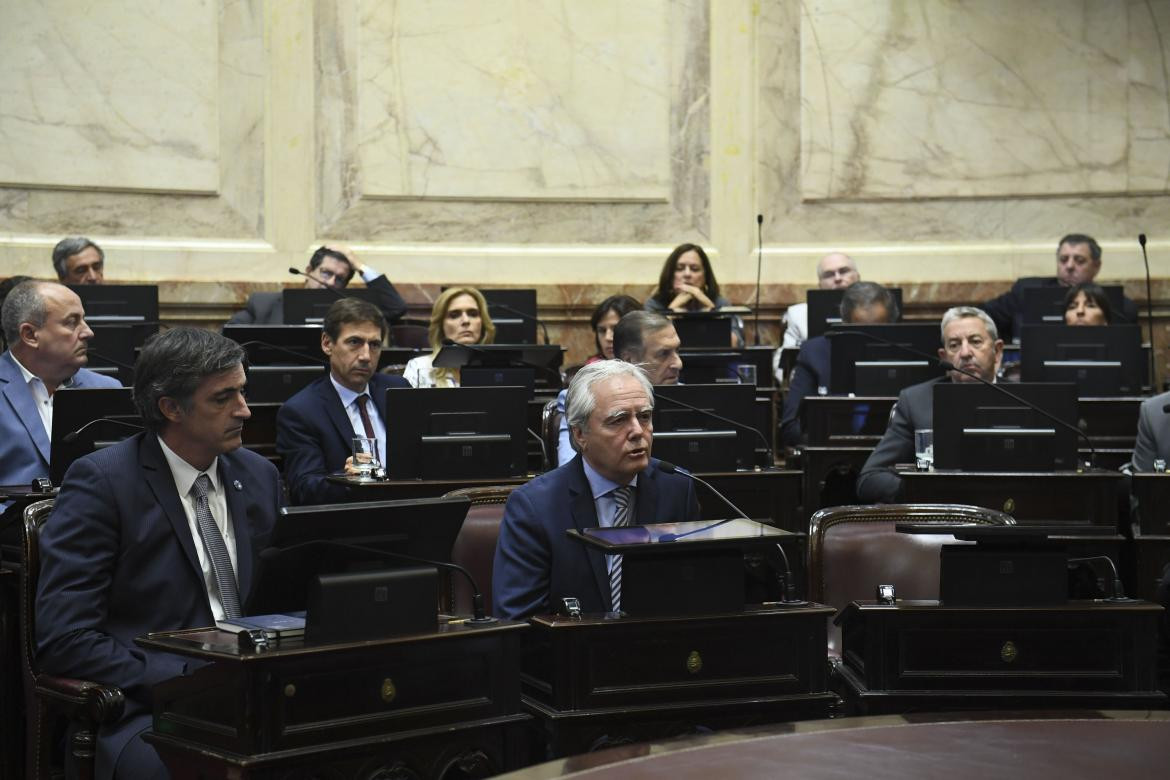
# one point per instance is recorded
(687, 283)
(1087, 304)
(605, 318)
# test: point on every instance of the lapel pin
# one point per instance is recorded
(236, 484)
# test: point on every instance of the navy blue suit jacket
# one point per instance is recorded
(267, 308)
(536, 564)
(314, 436)
(118, 561)
(24, 445)
(811, 373)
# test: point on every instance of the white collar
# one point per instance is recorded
(185, 474)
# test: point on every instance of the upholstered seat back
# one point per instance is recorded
(475, 547)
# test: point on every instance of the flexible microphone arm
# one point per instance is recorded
(1149, 310)
(523, 315)
(759, 268)
(947, 365)
(721, 418)
(307, 275)
(300, 356)
(478, 615)
(666, 467)
(1118, 590)
(73, 436)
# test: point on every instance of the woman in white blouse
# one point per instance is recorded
(460, 314)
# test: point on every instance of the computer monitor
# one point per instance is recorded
(308, 541)
(121, 303)
(1045, 305)
(513, 312)
(310, 305)
(1104, 360)
(719, 365)
(87, 419)
(456, 433)
(699, 441)
(526, 365)
(280, 383)
(978, 428)
(278, 345)
(702, 328)
(113, 349)
(824, 308)
(863, 365)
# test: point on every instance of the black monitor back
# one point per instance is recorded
(513, 312)
(824, 308)
(702, 328)
(718, 365)
(279, 383)
(124, 303)
(978, 428)
(299, 548)
(304, 305)
(457, 433)
(75, 408)
(1045, 305)
(1105, 360)
(278, 345)
(698, 441)
(113, 349)
(865, 366)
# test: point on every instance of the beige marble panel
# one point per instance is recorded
(112, 95)
(529, 99)
(995, 98)
(623, 88)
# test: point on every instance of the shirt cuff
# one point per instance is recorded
(370, 274)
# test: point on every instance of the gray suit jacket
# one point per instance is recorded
(1153, 433)
(914, 411)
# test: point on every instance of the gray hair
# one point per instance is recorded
(581, 400)
(962, 312)
(68, 247)
(862, 295)
(23, 304)
(173, 363)
(630, 333)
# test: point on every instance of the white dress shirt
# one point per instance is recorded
(349, 402)
(603, 500)
(185, 475)
(40, 394)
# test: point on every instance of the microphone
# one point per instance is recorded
(100, 356)
(947, 365)
(298, 355)
(307, 275)
(1118, 590)
(1149, 306)
(73, 436)
(721, 418)
(478, 615)
(759, 268)
(789, 597)
(523, 315)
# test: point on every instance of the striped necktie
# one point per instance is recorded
(623, 498)
(221, 563)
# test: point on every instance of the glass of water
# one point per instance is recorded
(365, 456)
(924, 449)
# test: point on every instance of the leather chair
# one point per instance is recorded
(550, 428)
(86, 705)
(410, 334)
(853, 549)
(475, 547)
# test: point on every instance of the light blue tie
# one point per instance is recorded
(221, 563)
(623, 498)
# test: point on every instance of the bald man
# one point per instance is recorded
(835, 271)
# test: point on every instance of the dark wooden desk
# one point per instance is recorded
(417, 704)
(594, 682)
(1150, 547)
(923, 656)
(829, 476)
(833, 420)
(1064, 497)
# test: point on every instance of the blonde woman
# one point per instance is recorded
(460, 314)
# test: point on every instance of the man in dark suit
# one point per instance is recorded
(316, 427)
(155, 533)
(44, 324)
(614, 482)
(335, 268)
(863, 303)
(971, 343)
(1078, 260)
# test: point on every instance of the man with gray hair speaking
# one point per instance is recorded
(614, 482)
(970, 342)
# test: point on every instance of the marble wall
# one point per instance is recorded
(209, 144)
